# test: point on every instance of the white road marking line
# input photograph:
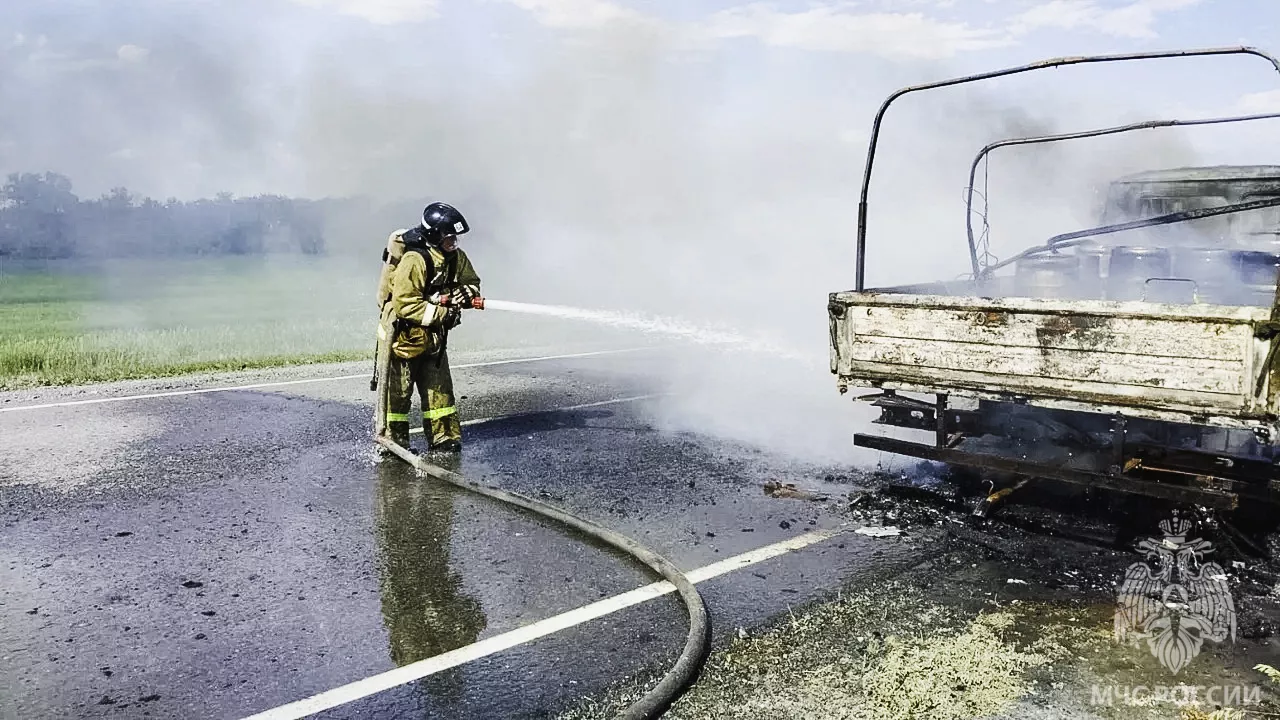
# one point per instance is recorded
(416, 671)
(566, 408)
(283, 383)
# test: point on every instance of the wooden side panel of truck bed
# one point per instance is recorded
(1161, 361)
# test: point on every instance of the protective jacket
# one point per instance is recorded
(415, 323)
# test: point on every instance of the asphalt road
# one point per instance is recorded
(219, 554)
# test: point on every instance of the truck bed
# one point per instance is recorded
(1182, 363)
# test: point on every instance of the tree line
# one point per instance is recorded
(42, 218)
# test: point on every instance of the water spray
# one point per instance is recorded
(655, 325)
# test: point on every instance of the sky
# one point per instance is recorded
(697, 158)
(721, 126)
(193, 97)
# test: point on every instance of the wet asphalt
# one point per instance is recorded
(217, 555)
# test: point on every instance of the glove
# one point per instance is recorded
(463, 295)
(452, 318)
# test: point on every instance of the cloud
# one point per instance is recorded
(132, 53)
(380, 12)
(39, 58)
(578, 14)
(827, 28)
(900, 35)
(1267, 101)
(915, 35)
(1133, 20)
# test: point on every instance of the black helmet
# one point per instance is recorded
(439, 219)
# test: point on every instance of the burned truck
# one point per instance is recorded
(1138, 356)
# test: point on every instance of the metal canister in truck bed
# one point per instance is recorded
(1131, 266)
(1047, 276)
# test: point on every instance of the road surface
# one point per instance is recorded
(222, 547)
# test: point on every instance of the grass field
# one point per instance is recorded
(63, 325)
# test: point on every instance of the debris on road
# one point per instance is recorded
(901, 506)
(933, 642)
(889, 531)
(775, 489)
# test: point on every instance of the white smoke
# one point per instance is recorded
(616, 166)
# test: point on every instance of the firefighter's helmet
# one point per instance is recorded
(440, 219)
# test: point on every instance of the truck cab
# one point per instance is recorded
(1160, 192)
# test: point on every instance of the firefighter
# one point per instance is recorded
(422, 293)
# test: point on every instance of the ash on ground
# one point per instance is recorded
(1009, 616)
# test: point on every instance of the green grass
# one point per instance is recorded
(70, 324)
(156, 319)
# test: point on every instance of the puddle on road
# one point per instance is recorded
(426, 610)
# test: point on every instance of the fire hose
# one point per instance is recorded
(687, 666)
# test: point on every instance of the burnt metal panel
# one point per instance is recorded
(1200, 362)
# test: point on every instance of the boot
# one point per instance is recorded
(399, 433)
(448, 446)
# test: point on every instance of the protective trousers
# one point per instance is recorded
(429, 373)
